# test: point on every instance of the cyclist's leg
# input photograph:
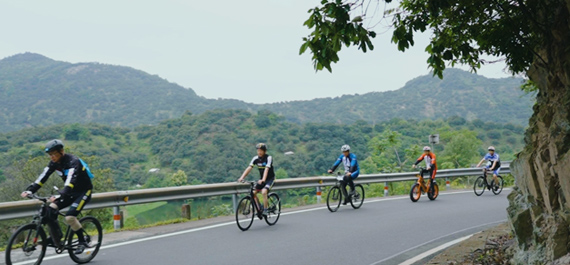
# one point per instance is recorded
(78, 204)
(350, 182)
(255, 192)
(343, 190)
(495, 176)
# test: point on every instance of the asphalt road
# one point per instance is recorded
(383, 231)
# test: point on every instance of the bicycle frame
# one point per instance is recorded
(38, 221)
(421, 182)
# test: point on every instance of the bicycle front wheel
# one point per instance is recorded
(333, 199)
(358, 197)
(273, 210)
(415, 192)
(28, 244)
(499, 187)
(93, 236)
(245, 213)
(479, 186)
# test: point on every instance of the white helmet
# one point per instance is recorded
(427, 148)
(345, 148)
(491, 148)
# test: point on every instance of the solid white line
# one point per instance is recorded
(436, 239)
(434, 250)
(224, 224)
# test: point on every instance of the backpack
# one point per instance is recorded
(86, 168)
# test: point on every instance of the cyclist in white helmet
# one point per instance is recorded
(493, 164)
(351, 170)
(429, 157)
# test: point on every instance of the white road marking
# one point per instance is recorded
(436, 239)
(134, 241)
(435, 250)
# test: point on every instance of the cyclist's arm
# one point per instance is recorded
(265, 173)
(267, 167)
(494, 164)
(44, 176)
(420, 159)
(480, 162)
(245, 173)
(336, 163)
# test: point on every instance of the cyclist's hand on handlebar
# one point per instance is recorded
(330, 171)
(26, 194)
(348, 174)
(414, 166)
(260, 182)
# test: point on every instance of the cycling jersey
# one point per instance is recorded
(350, 164)
(492, 158)
(71, 170)
(430, 162)
(263, 162)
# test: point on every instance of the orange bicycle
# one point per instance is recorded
(421, 188)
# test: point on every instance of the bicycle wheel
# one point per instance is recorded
(432, 195)
(245, 213)
(27, 244)
(358, 197)
(479, 186)
(415, 192)
(273, 210)
(333, 199)
(93, 235)
(500, 188)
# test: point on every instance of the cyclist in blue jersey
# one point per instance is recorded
(351, 171)
(493, 164)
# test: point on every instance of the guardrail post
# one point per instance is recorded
(447, 183)
(318, 194)
(234, 201)
(116, 218)
(385, 189)
(186, 213)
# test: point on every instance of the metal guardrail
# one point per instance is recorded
(18, 209)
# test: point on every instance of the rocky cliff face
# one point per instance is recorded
(539, 208)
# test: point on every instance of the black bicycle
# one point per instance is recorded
(29, 242)
(247, 209)
(334, 197)
(481, 184)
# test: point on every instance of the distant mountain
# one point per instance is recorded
(38, 91)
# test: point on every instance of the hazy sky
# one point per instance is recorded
(246, 50)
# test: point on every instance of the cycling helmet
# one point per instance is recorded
(491, 148)
(345, 148)
(427, 148)
(261, 146)
(54, 145)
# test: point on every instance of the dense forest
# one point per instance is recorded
(38, 91)
(216, 146)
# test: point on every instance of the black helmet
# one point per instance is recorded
(54, 145)
(261, 146)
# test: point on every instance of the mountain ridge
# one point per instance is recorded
(36, 91)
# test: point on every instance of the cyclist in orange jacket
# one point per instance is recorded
(429, 157)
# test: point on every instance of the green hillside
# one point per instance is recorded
(38, 91)
(216, 146)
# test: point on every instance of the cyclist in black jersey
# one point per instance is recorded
(77, 191)
(264, 163)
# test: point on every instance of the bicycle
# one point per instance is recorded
(481, 182)
(246, 211)
(420, 187)
(31, 239)
(334, 197)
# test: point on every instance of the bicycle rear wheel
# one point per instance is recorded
(93, 236)
(245, 213)
(432, 195)
(333, 199)
(27, 244)
(415, 192)
(358, 198)
(479, 186)
(500, 186)
(273, 210)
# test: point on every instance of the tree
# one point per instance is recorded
(461, 149)
(533, 37)
(178, 179)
